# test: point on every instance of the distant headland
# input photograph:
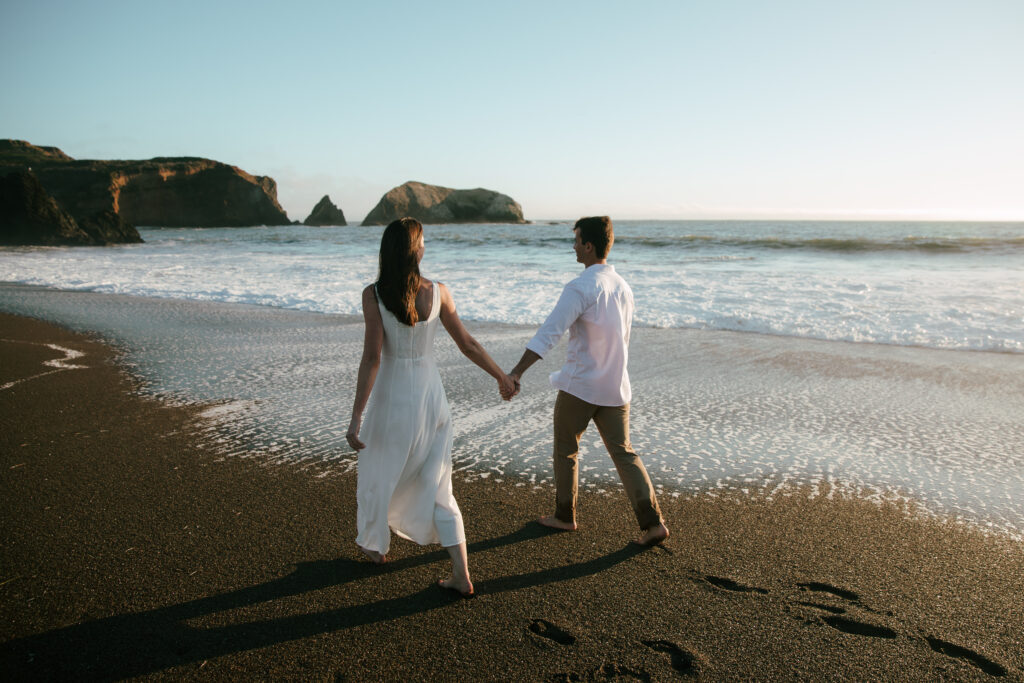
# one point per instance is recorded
(159, 192)
(49, 198)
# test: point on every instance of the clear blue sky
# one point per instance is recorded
(713, 108)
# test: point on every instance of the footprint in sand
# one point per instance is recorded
(545, 629)
(970, 656)
(818, 605)
(861, 628)
(829, 588)
(683, 661)
(843, 623)
(831, 591)
(730, 585)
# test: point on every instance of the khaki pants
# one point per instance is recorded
(572, 415)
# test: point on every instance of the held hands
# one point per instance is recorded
(353, 434)
(508, 386)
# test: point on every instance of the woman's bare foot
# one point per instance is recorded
(463, 587)
(553, 522)
(654, 535)
(374, 556)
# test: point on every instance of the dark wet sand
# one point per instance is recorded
(130, 549)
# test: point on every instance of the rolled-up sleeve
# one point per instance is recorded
(570, 306)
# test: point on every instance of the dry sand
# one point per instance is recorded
(131, 549)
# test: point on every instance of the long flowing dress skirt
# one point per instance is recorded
(405, 471)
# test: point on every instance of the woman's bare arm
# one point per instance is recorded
(470, 347)
(373, 341)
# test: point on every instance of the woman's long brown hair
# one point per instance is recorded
(399, 277)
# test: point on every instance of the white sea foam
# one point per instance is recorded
(64, 363)
(951, 286)
(713, 410)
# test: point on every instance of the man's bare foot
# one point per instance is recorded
(553, 522)
(463, 587)
(654, 535)
(374, 556)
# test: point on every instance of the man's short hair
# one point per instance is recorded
(598, 231)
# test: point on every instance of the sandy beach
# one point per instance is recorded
(133, 547)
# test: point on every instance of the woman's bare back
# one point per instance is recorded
(424, 299)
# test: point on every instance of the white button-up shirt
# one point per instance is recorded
(597, 309)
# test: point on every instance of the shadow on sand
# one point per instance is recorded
(130, 645)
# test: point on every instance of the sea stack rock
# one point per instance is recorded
(30, 216)
(435, 204)
(107, 227)
(325, 213)
(159, 192)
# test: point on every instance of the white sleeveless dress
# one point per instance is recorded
(405, 471)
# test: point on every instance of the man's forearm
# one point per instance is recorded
(528, 359)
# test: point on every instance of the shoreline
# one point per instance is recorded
(132, 548)
(713, 411)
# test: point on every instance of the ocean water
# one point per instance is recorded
(941, 285)
(890, 365)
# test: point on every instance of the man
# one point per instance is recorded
(597, 309)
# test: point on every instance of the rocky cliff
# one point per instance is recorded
(30, 216)
(325, 213)
(159, 192)
(434, 204)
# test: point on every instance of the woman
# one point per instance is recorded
(405, 461)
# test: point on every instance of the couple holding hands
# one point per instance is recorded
(405, 440)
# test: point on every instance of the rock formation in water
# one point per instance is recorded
(107, 227)
(30, 216)
(159, 192)
(434, 204)
(325, 213)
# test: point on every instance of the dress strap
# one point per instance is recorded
(435, 306)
